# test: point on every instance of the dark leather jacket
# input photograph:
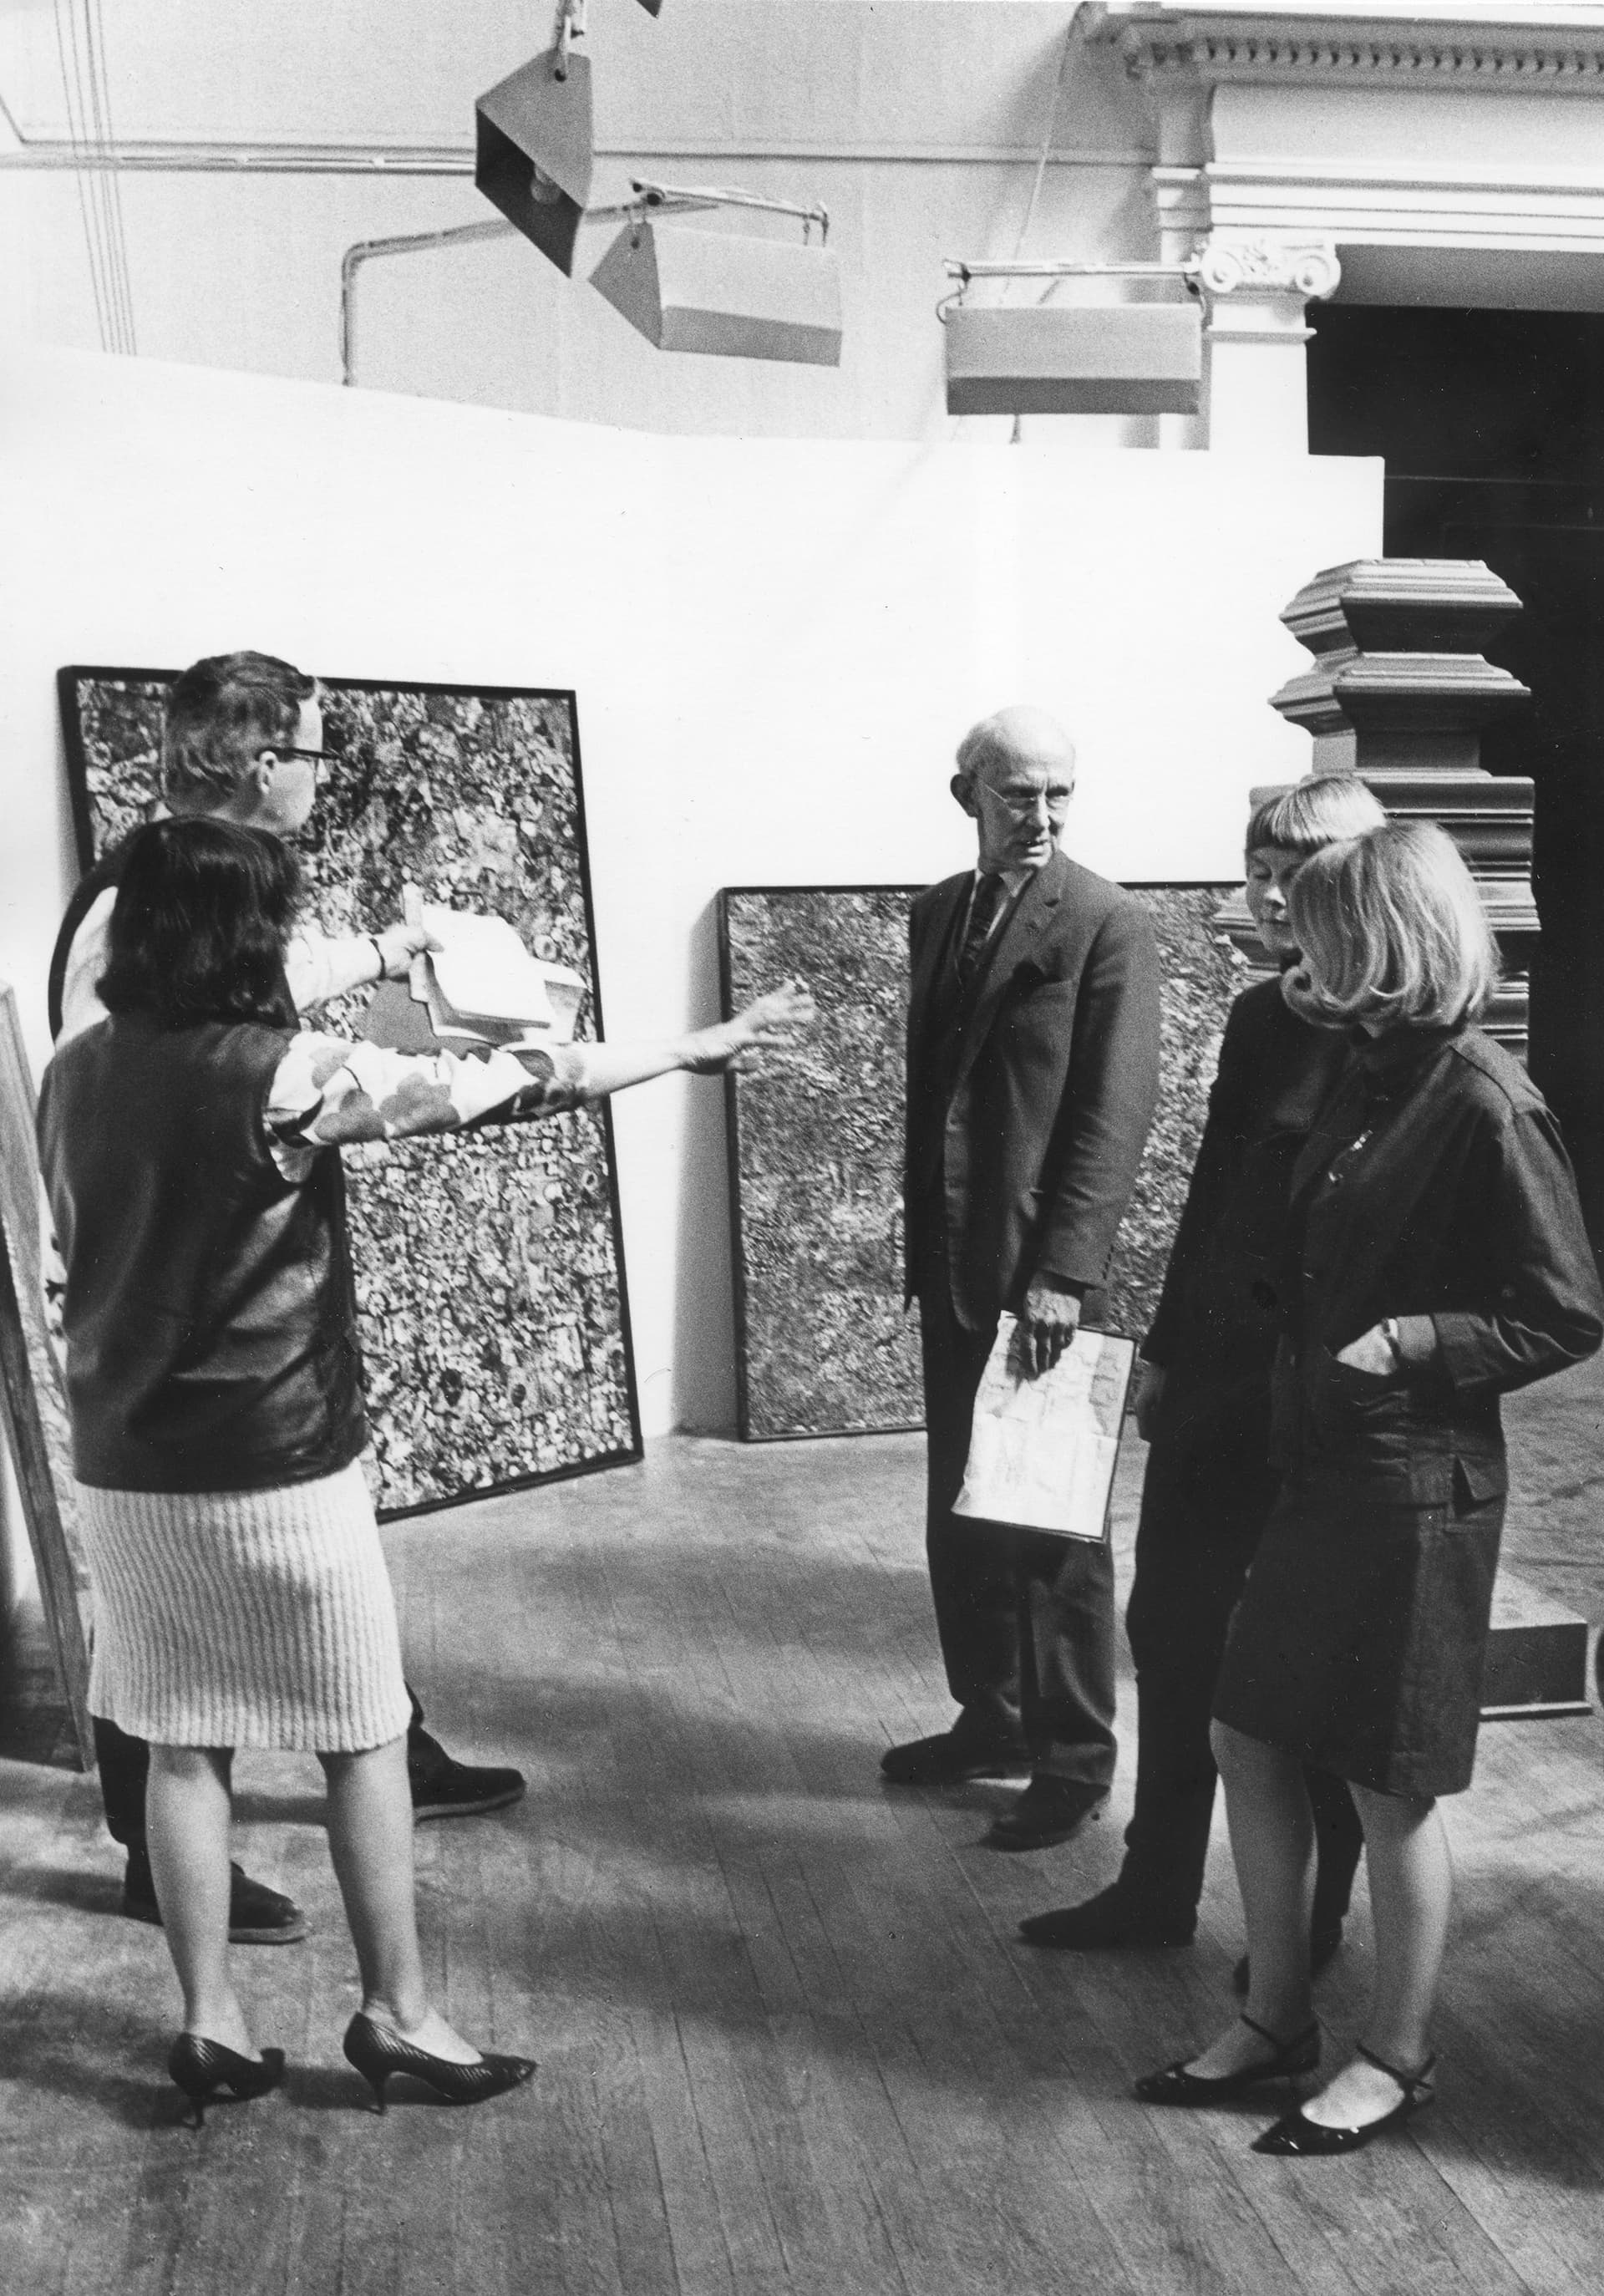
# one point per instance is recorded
(1434, 1188)
(210, 1315)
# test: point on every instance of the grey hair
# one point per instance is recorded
(1003, 734)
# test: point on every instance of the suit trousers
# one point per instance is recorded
(1026, 1620)
(1202, 1514)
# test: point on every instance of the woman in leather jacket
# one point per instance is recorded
(190, 1144)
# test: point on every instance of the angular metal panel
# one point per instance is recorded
(1116, 358)
(731, 296)
(533, 158)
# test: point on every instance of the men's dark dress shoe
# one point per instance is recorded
(1325, 1944)
(1295, 2136)
(257, 1914)
(1114, 1917)
(1049, 1810)
(443, 1787)
(949, 1760)
(1176, 2085)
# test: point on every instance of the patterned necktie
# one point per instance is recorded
(982, 916)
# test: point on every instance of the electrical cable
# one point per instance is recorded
(86, 210)
(88, 110)
(80, 49)
(102, 79)
(1040, 177)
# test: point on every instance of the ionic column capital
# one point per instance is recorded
(1259, 282)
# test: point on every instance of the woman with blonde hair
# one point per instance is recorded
(1436, 1258)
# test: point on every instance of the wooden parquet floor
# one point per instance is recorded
(788, 2038)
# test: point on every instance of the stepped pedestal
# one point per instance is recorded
(1400, 692)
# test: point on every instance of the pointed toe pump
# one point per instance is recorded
(1176, 2085)
(377, 2053)
(201, 2067)
(1295, 2136)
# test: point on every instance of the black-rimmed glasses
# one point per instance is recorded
(322, 758)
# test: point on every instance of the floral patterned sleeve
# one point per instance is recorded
(329, 1090)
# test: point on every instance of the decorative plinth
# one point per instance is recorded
(1400, 692)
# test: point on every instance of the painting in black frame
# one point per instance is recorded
(489, 1264)
(815, 1147)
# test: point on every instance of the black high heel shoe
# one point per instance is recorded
(201, 2067)
(1295, 2136)
(376, 2053)
(1174, 2085)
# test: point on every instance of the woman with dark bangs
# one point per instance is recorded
(1203, 1408)
(1436, 1258)
(190, 1148)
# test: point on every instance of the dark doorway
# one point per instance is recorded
(1492, 425)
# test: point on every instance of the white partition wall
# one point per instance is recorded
(775, 647)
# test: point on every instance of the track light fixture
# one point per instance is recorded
(734, 295)
(534, 146)
(730, 295)
(1061, 358)
(535, 140)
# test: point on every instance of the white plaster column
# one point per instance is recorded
(1256, 289)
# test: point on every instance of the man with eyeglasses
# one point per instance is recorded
(1033, 1075)
(242, 742)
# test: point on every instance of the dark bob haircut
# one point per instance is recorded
(199, 926)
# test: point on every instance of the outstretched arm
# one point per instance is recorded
(329, 1090)
(592, 1072)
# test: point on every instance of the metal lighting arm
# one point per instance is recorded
(963, 273)
(667, 197)
(461, 234)
(1043, 270)
(409, 243)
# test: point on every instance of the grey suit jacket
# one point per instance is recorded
(1022, 1147)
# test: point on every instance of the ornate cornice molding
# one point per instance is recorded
(1269, 46)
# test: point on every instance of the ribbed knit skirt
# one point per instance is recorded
(244, 1618)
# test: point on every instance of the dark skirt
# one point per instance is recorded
(1359, 1641)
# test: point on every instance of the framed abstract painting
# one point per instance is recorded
(489, 1264)
(822, 1344)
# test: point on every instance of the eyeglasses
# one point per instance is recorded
(1025, 807)
(320, 759)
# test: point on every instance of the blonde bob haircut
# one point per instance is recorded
(1312, 813)
(1392, 930)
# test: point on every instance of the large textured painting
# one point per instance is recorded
(822, 1345)
(489, 1266)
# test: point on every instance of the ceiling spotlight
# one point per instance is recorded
(1060, 358)
(535, 143)
(735, 297)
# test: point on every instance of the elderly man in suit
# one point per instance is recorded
(1033, 1072)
